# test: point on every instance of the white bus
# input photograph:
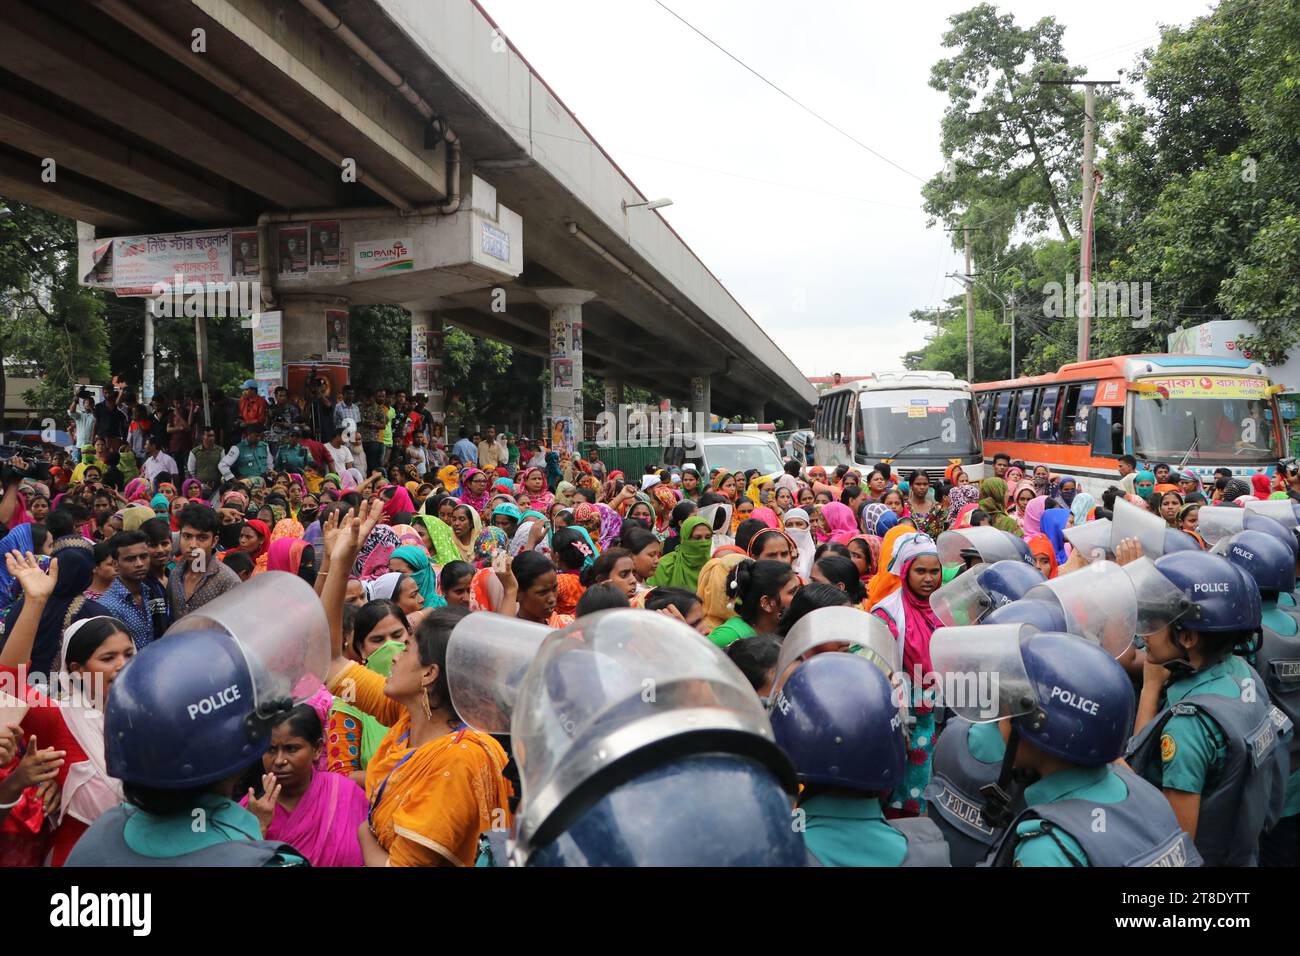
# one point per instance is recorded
(909, 420)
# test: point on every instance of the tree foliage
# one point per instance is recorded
(1200, 195)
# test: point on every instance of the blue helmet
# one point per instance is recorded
(1224, 597)
(836, 719)
(1022, 549)
(1044, 615)
(1007, 581)
(1084, 700)
(701, 810)
(1176, 540)
(1266, 525)
(1269, 563)
(182, 714)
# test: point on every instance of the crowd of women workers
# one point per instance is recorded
(1135, 704)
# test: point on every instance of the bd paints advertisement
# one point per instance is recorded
(383, 257)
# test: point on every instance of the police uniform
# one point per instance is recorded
(1278, 662)
(1220, 740)
(1059, 826)
(967, 758)
(230, 836)
(847, 830)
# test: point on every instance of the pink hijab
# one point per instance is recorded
(1033, 516)
(400, 502)
(768, 517)
(840, 524)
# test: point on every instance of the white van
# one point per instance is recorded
(734, 451)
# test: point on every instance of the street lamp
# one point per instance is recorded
(648, 204)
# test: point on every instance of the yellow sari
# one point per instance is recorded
(428, 804)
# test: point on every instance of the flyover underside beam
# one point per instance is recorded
(72, 196)
(49, 54)
(36, 129)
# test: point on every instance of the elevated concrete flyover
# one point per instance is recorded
(409, 125)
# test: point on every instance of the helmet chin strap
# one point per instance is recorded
(1180, 667)
(999, 796)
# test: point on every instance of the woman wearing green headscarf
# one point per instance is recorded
(681, 567)
(414, 561)
(993, 502)
(442, 542)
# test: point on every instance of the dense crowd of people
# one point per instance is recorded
(402, 540)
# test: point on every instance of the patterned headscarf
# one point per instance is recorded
(611, 525)
(959, 497)
(490, 542)
(871, 513)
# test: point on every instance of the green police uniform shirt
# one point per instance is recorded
(850, 831)
(215, 819)
(985, 743)
(1192, 746)
(1278, 620)
(291, 458)
(1039, 848)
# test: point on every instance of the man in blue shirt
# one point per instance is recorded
(135, 598)
(466, 450)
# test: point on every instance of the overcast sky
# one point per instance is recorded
(824, 244)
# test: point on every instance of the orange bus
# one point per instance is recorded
(1211, 412)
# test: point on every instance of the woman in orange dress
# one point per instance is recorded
(434, 785)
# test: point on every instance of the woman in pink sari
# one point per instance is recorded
(1033, 515)
(316, 812)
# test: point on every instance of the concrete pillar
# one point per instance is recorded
(565, 429)
(701, 401)
(427, 376)
(613, 394)
(315, 335)
(757, 409)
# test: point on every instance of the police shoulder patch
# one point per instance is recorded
(1168, 747)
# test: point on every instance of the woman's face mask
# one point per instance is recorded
(307, 565)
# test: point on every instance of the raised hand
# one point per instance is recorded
(37, 585)
(1130, 549)
(263, 807)
(501, 567)
(38, 765)
(330, 531)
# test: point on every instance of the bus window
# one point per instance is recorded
(848, 425)
(1046, 427)
(1107, 429)
(984, 402)
(1075, 413)
(1000, 415)
(1024, 415)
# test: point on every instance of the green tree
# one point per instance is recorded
(48, 322)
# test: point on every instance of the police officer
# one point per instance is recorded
(641, 745)
(1271, 564)
(838, 720)
(1206, 731)
(965, 797)
(967, 547)
(188, 716)
(1069, 705)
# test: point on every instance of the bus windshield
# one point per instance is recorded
(940, 423)
(1222, 429)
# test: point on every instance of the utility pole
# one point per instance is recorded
(1088, 198)
(970, 310)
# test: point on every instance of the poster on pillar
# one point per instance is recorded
(247, 260)
(267, 348)
(298, 375)
(559, 339)
(336, 336)
(563, 371)
(563, 435)
(293, 250)
(323, 238)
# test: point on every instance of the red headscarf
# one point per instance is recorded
(1261, 485)
(286, 555)
(1041, 544)
(265, 533)
(401, 501)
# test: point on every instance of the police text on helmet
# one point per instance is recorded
(215, 702)
(1074, 700)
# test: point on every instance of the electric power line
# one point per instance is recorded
(792, 99)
